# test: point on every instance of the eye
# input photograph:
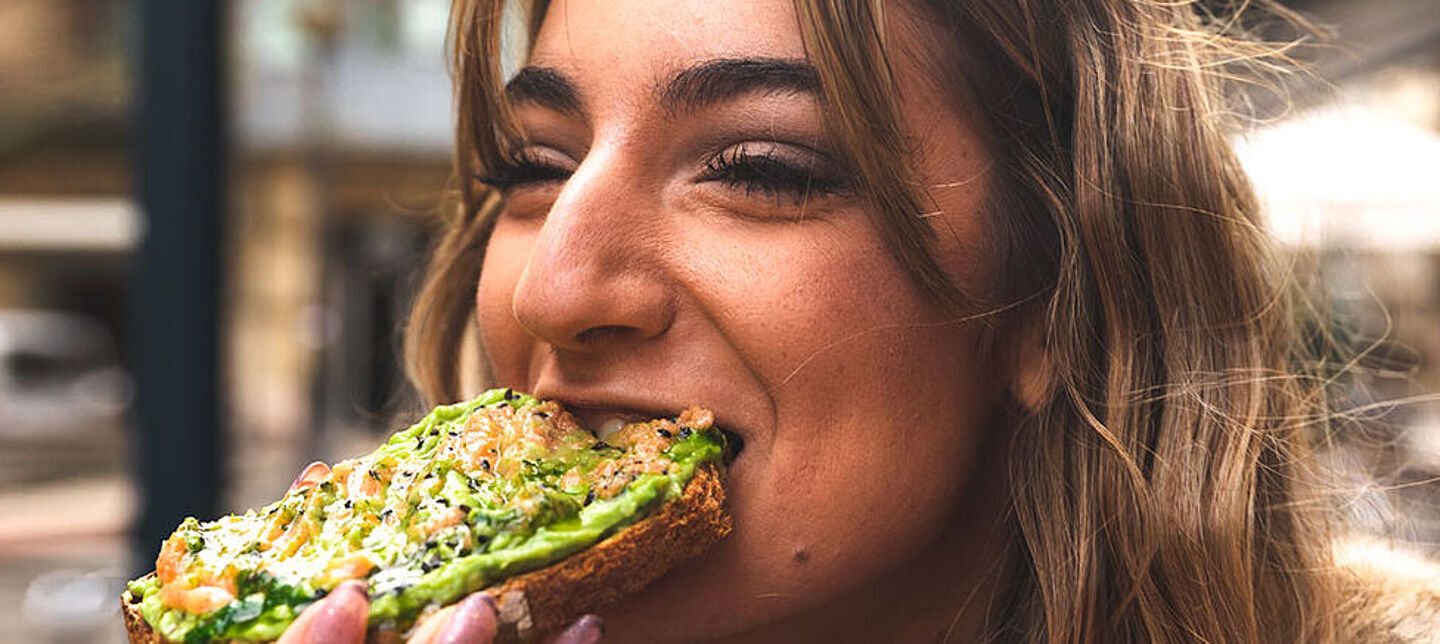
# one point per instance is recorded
(533, 165)
(775, 171)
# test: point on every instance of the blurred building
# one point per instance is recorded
(342, 125)
(342, 140)
(1348, 171)
(66, 227)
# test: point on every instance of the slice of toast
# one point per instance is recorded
(546, 600)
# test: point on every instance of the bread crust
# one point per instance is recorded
(546, 600)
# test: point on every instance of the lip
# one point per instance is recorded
(592, 415)
(591, 411)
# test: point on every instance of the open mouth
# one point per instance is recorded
(605, 422)
(734, 444)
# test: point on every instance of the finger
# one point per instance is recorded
(299, 630)
(342, 621)
(430, 627)
(473, 622)
(337, 619)
(312, 474)
(586, 630)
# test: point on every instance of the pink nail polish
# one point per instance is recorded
(586, 630)
(474, 620)
(310, 475)
(342, 620)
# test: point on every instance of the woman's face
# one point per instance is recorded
(681, 231)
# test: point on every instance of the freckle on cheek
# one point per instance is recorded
(801, 556)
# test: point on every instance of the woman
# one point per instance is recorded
(979, 283)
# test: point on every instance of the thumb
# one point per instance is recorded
(472, 621)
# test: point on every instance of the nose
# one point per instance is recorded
(595, 279)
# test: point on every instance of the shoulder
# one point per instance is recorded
(1388, 594)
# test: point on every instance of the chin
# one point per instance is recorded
(716, 595)
(667, 610)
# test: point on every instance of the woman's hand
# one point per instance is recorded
(339, 618)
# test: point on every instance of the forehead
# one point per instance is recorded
(626, 40)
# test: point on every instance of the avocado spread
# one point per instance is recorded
(473, 494)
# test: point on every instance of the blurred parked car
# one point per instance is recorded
(63, 396)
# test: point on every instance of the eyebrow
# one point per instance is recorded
(696, 87)
(725, 79)
(546, 87)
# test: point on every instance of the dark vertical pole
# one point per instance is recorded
(175, 297)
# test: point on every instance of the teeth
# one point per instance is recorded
(608, 428)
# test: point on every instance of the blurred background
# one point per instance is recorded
(229, 204)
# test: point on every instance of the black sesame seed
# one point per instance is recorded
(589, 497)
(686, 432)
(485, 464)
(349, 504)
(464, 508)
(509, 395)
(664, 432)
(443, 501)
(543, 414)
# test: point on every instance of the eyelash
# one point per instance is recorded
(742, 167)
(520, 169)
(768, 174)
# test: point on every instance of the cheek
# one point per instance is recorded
(835, 330)
(793, 299)
(871, 457)
(506, 343)
(878, 399)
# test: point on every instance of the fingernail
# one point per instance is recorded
(474, 620)
(353, 586)
(317, 469)
(343, 619)
(586, 630)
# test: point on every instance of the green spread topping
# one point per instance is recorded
(473, 494)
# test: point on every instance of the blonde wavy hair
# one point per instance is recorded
(1161, 479)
